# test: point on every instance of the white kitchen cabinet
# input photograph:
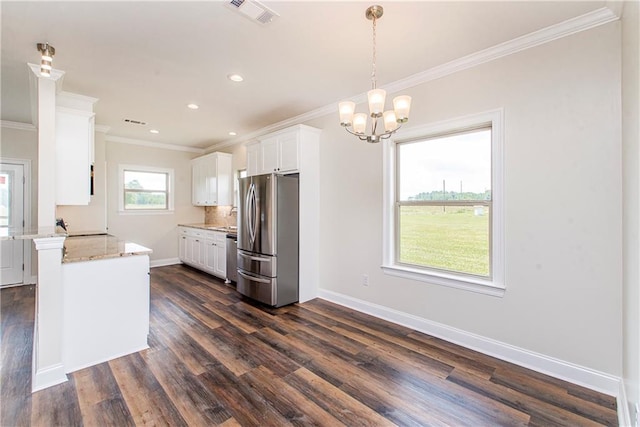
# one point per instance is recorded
(212, 180)
(216, 256)
(74, 155)
(253, 159)
(279, 153)
(205, 250)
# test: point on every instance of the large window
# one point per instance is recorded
(444, 217)
(145, 189)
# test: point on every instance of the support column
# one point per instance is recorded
(48, 366)
(43, 111)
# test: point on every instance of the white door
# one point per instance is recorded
(11, 218)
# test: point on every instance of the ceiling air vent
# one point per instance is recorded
(253, 10)
(135, 122)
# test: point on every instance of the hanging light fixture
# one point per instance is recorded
(47, 58)
(356, 123)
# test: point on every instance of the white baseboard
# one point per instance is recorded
(48, 377)
(163, 262)
(624, 416)
(580, 375)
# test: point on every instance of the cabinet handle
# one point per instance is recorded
(197, 240)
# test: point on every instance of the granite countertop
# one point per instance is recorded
(212, 227)
(88, 248)
(26, 234)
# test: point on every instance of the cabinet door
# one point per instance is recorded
(269, 155)
(199, 183)
(210, 258)
(198, 251)
(210, 172)
(288, 153)
(221, 255)
(253, 156)
(74, 136)
(224, 174)
(188, 251)
(182, 247)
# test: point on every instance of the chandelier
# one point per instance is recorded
(356, 123)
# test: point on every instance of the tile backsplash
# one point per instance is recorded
(220, 216)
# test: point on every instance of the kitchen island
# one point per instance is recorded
(106, 299)
(92, 301)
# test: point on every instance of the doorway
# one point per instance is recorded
(12, 219)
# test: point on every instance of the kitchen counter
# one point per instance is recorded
(212, 227)
(27, 234)
(88, 248)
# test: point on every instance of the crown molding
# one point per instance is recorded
(17, 125)
(566, 28)
(145, 143)
(102, 128)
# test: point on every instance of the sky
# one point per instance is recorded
(457, 158)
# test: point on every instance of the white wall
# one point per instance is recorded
(159, 231)
(631, 191)
(563, 202)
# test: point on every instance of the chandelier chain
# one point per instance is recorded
(373, 66)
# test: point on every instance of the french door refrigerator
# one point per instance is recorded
(268, 238)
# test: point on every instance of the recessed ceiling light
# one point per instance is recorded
(154, 131)
(235, 77)
(193, 106)
(232, 133)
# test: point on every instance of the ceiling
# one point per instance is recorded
(147, 60)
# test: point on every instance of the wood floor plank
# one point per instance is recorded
(335, 401)
(246, 405)
(549, 414)
(196, 404)
(218, 358)
(145, 397)
(288, 401)
(56, 406)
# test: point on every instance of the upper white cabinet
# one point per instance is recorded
(280, 152)
(253, 158)
(75, 133)
(212, 180)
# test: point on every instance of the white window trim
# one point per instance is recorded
(494, 286)
(140, 168)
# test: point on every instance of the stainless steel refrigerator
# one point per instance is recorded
(268, 238)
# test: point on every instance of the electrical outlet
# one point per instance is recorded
(365, 280)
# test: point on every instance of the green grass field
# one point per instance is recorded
(455, 240)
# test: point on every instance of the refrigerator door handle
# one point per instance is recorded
(250, 209)
(253, 278)
(254, 258)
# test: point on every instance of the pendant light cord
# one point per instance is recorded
(373, 68)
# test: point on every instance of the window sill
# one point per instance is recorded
(146, 212)
(472, 284)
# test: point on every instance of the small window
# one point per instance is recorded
(145, 189)
(443, 220)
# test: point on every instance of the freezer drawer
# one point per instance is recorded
(262, 289)
(257, 264)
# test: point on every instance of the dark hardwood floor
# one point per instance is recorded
(218, 359)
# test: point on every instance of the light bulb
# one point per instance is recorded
(402, 105)
(346, 109)
(359, 122)
(376, 101)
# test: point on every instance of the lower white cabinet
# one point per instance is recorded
(205, 250)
